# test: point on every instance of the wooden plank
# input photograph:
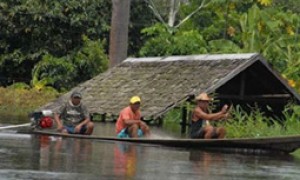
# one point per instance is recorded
(282, 144)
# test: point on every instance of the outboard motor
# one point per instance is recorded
(41, 119)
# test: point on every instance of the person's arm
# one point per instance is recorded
(57, 117)
(84, 122)
(142, 124)
(130, 122)
(212, 116)
(86, 116)
(78, 126)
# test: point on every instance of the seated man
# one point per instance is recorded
(129, 123)
(201, 115)
(73, 117)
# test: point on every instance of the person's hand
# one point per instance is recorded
(224, 108)
(77, 128)
(59, 128)
(143, 124)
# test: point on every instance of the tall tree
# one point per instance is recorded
(119, 32)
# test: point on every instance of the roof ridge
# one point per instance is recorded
(199, 57)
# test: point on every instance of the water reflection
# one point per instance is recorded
(245, 166)
(45, 157)
(125, 159)
(58, 154)
(205, 163)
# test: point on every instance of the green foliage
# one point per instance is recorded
(66, 72)
(288, 5)
(42, 30)
(141, 17)
(18, 100)
(51, 71)
(173, 115)
(223, 46)
(171, 121)
(30, 29)
(35, 33)
(19, 85)
(242, 124)
(256, 124)
(262, 26)
(90, 60)
(253, 124)
(163, 42)
(292, 116)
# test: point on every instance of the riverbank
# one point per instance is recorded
(16, 103)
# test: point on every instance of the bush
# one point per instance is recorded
(16, 103)
(246, 125)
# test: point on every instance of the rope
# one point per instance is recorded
(14, 126)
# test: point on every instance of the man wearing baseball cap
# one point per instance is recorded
(129, 123)
(73, 117)
(201, 116)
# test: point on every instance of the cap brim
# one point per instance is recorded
(203, 99)
(135, 102)
(77, 97)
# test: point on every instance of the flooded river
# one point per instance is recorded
(24, 156)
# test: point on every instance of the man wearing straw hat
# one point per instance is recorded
(129, 123)
(201, 116)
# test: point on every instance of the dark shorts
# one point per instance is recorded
(71, 129)
(200, 134)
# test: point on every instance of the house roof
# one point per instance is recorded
(161, 82)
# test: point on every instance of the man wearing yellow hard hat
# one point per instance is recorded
(129, 123)
(200, 127)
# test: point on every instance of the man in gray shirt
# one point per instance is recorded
(73, 117)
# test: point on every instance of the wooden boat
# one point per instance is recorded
(282, 144)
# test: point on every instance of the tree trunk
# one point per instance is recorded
(119, 32)
(174, 6)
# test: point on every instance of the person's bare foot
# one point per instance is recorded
(64, 131)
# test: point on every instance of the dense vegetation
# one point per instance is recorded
(59, 43)
(264, 26)
(62, 43)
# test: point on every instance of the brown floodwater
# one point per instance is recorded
(24, 156)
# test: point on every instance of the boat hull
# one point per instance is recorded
(282, 144)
